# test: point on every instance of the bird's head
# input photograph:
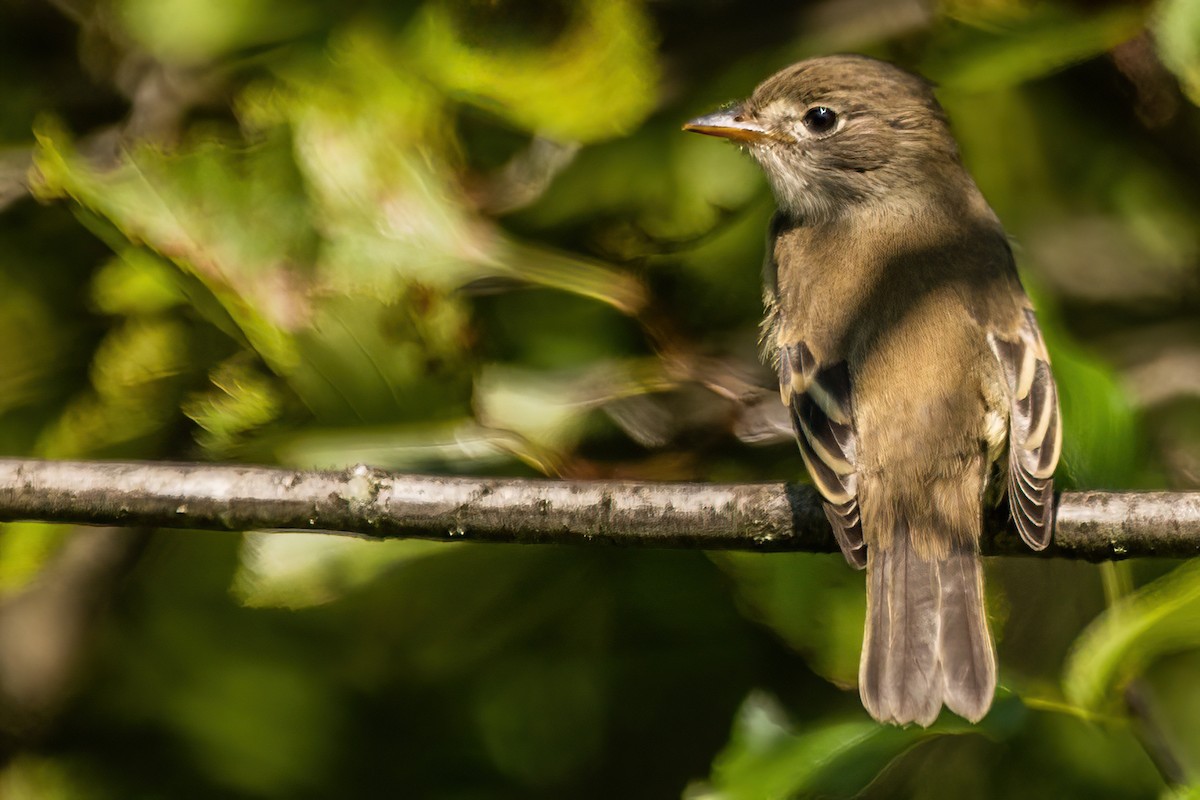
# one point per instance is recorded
(837, 131)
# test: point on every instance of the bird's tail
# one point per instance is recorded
(926, 641)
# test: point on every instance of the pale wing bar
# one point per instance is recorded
(822, 415)
(1035, 430)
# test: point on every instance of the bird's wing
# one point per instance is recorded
(819, 399)
(1035, 429)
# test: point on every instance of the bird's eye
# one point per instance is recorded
(820, 119)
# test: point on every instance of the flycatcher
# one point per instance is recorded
(910, 359)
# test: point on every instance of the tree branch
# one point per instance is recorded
(373, 504)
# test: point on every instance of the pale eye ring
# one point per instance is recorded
(820, 119)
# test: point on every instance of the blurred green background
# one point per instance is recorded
(468, 236)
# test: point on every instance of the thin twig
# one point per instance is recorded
(373, 504)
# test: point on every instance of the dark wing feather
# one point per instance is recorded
(819, 400)
(1035, 430)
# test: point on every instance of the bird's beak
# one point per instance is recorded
(728, 124)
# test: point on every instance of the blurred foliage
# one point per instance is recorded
(765, 759)
(467, 236)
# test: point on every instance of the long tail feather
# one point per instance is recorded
(926, 641)
(968, 659)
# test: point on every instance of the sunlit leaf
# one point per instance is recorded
(686, 187)
(32, 342)
(241, 400)
(137, 377)
(307, 569)
(239, 223)
(30, 777)
(237, 219)
(550, 410)
(376, 146)
(1046, 40)
(551, 269)
(1191, 792)
(768, 759)
(25, 548)
(594, 78)
(190, 31)
(136, 282)
(1159, 618)
(137, 381)
(1176, 26)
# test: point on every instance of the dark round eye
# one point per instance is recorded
(820, 119)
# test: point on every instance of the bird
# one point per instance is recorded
(909, 357)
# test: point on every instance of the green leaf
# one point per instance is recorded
(378, 151)
(25, 548)
(138, 376)
(235, 218)
(766, 760)
(596, 78)
(1168, 697)
(366, 360)
(1043, 41)
(684, 186)
(1176, 26)
(239, 221)
(191, 31)
(136, 282)
(1191, 792)
(34, 777)
(308, 569)
(32, 343)
(242, 399)
(550, 410)
(1160, 618)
